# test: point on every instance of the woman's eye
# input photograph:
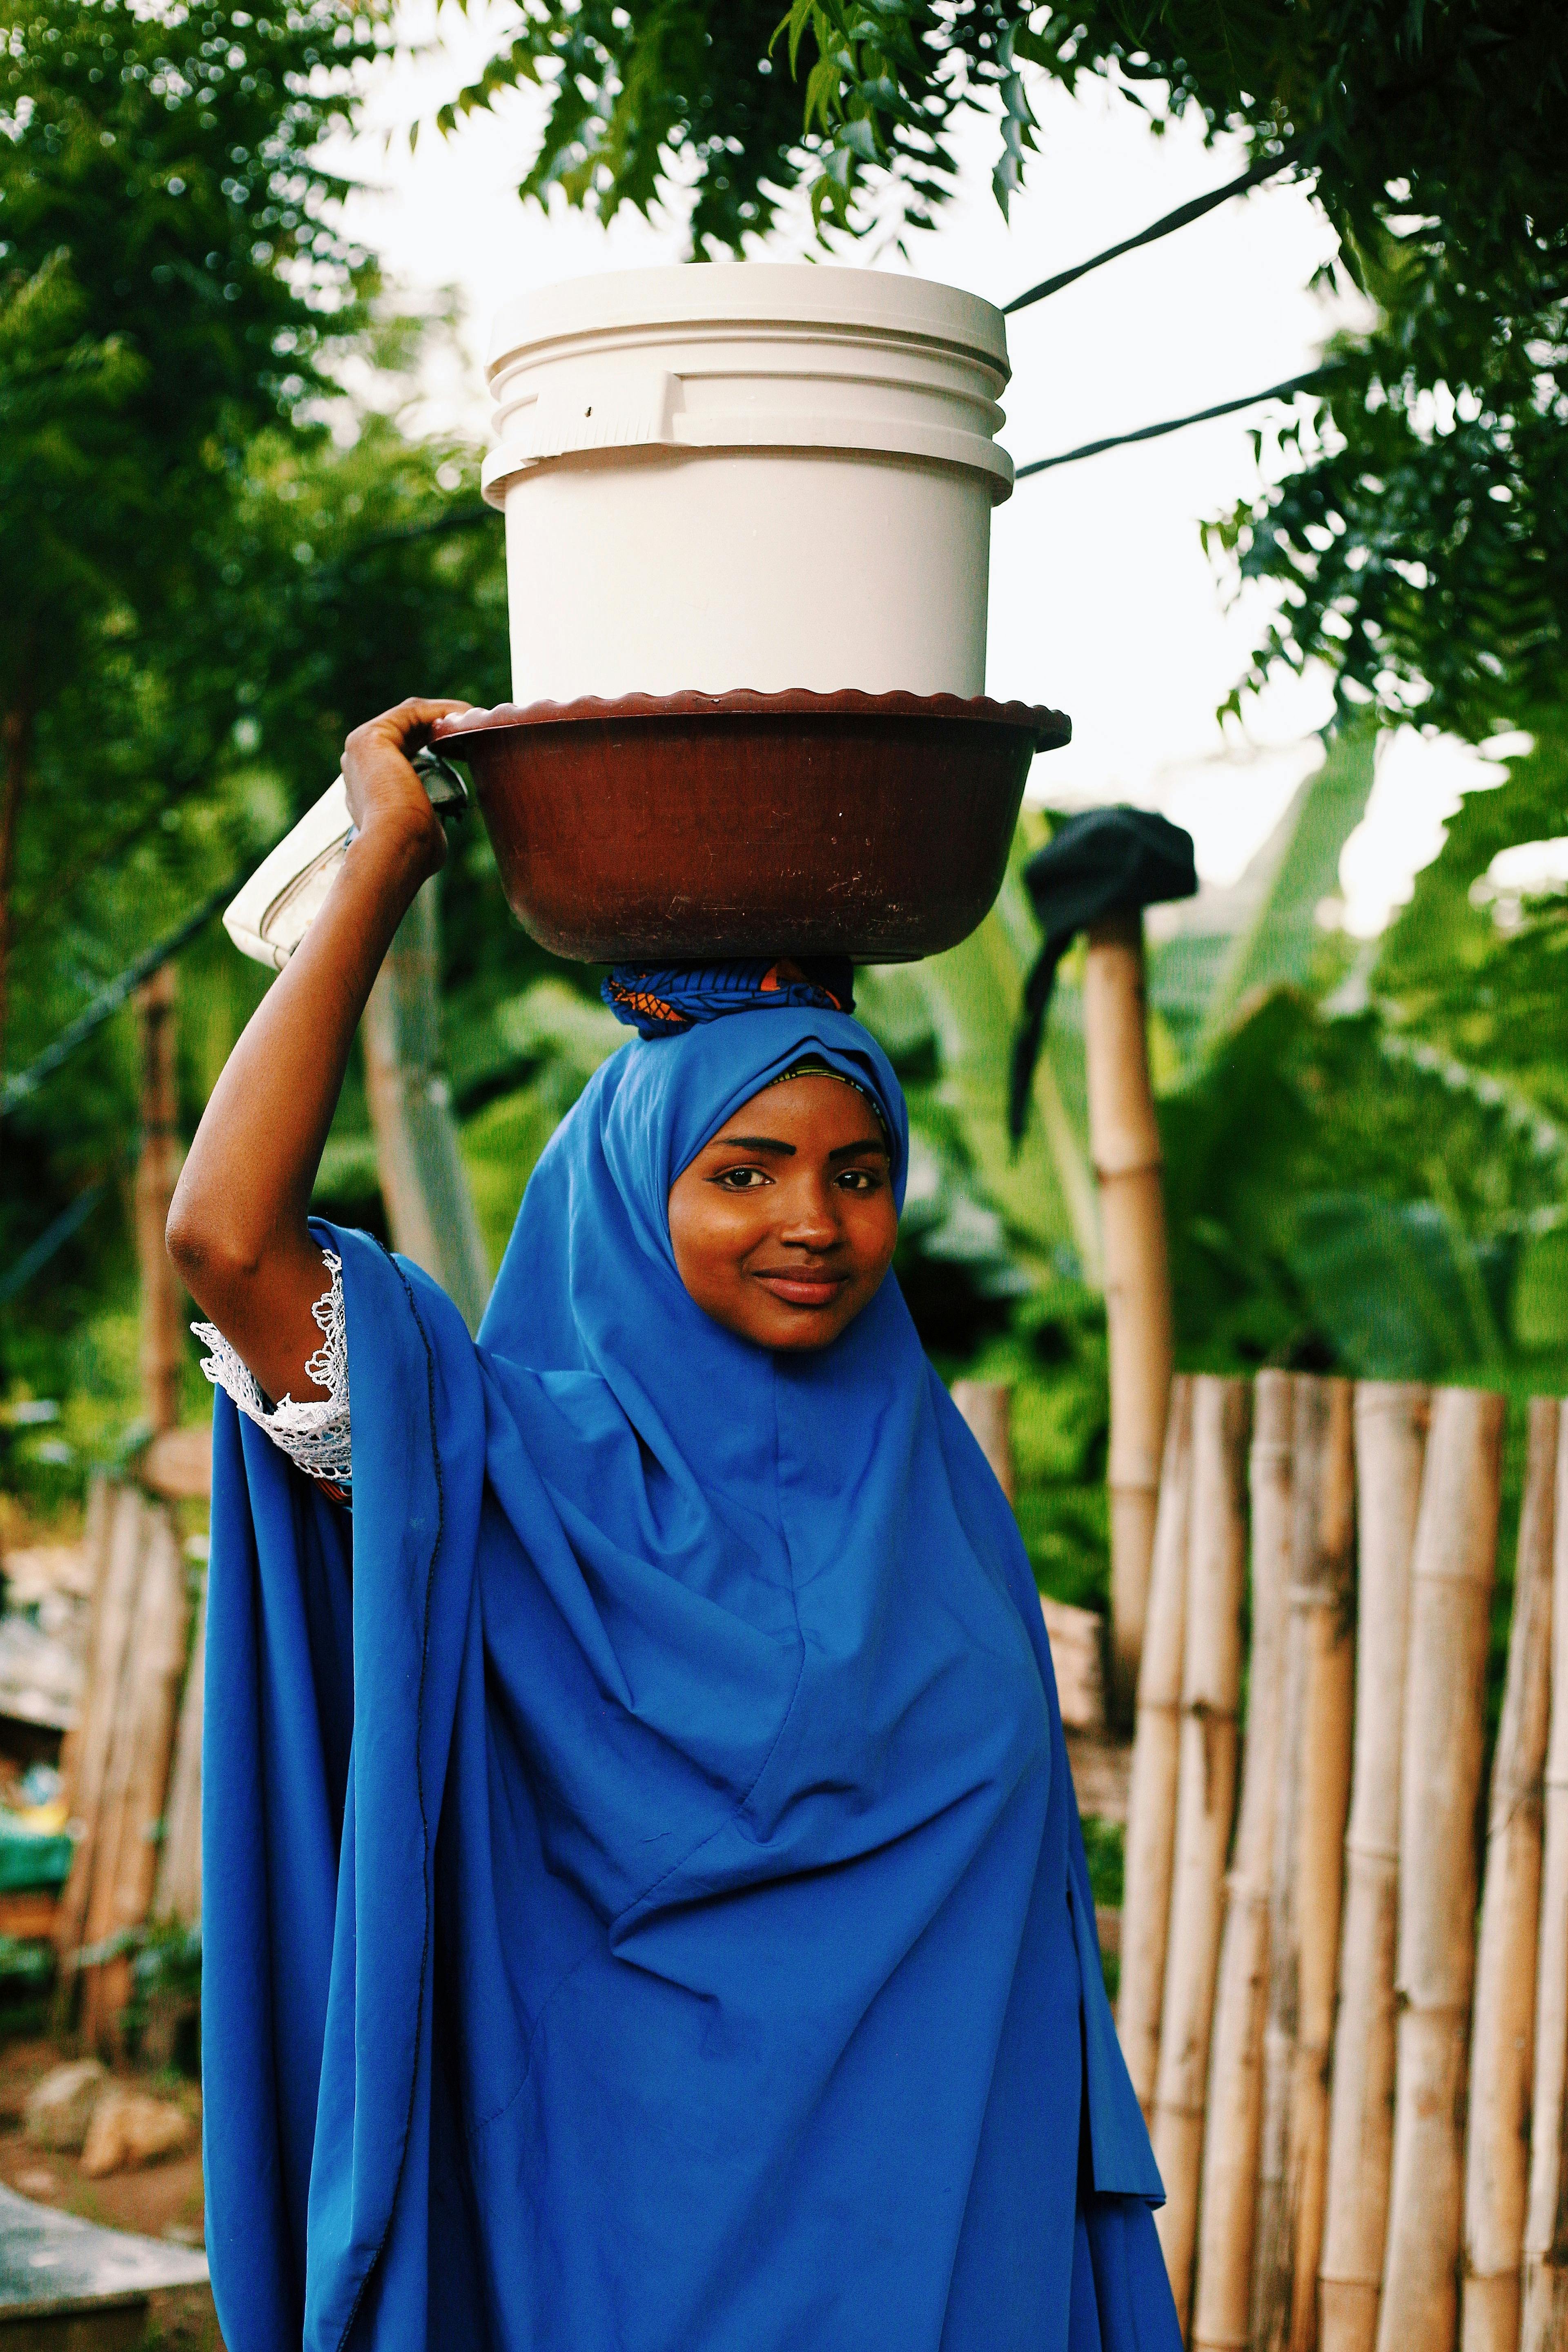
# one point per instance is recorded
(742, 1180)
(860, 1180)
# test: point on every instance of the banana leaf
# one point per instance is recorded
(1399, 1288)
(1230, 948)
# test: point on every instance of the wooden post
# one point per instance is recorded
(1311, 1798)
(178, 1893)
(1391, 1438)
(987, 1407)
(107, 1640)
(1227, 2208)
(1544, 2326)
(1445, 1734)
(1205, 1806)
(422, 1180)
(1497, 2155)
(1151, 1793)
(157, 1172)
(1124, 1143)
(138, 1777)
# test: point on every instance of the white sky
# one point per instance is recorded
(1103, 600)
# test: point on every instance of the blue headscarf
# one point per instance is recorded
(694, 1948)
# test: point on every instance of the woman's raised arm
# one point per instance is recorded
(237, 1229)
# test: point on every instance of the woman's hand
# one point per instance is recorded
(387, 798)
(237, 1228)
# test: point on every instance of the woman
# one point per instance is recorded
(645, 1905)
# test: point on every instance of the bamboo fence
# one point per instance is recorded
(1311, 1796)
(1544, 2325)
(1156, 1750)
(132, 1766)
(1380, 2028)
(1391, 1443)
(1450, 1601)
(1206, 1802)
(1497, 2167)
(1221, 2313)
(1124, 1145)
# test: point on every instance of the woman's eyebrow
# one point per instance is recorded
(753, 1143)
(871, 1143)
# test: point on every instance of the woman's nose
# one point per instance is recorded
(810, 1222)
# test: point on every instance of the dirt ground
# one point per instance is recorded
(156, 2201)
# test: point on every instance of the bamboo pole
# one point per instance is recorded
(1391, 1422)
(1226, 2206)
(1544, 2326)
(426, 1186)
(1151, 1792)
(1311, 1799)
(95, 1553)
(1205, 1808)
(178, 1893)
(151, 1701)
(1444, 1732)
(157, 1172)
(987, 1407)
(1124, 1144)
(1497, 2152)
(106, 1660)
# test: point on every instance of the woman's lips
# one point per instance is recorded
(802, 1289)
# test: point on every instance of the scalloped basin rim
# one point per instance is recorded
(667, 828)
(1051, 729)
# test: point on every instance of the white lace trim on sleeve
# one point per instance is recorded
(315, 1434)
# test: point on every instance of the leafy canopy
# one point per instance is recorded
(169, 269)
(1419, 542)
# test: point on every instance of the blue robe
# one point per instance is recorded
(645, 1905)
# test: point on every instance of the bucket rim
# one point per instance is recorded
(684, 295)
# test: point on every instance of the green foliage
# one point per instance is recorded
(739, 105)
(554, 1036)
(1283, 945)
(1476, 969)
(167, 276)
(1420, 536)
(1105, 1844)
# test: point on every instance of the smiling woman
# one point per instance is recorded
(672, 1720)
(783, 1225)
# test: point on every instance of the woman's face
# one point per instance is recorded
(784, 1224)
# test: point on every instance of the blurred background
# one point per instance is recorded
(249, 259)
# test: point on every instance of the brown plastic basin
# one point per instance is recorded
(656, 829)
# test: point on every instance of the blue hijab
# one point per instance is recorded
(645, 1905)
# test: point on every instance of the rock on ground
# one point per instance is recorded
(59, 2109)
(130, 2127)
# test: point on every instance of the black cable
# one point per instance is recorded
(1192, 210)
(1313, 381)
(109, 1000)
(53, 1238)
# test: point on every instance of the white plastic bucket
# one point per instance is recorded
(747, 474)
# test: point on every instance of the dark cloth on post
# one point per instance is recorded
(1108, 861)
(646, 1909)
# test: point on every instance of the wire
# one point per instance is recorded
(109, 1000)
(1314, 379)
(53, 1237)
(1192, 210)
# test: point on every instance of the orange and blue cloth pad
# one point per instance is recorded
(662, 1001)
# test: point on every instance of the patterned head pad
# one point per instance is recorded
(662, 1001)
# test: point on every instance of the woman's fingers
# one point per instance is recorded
(382, 787)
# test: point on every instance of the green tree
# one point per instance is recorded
(1421, 538)
(170, 273)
